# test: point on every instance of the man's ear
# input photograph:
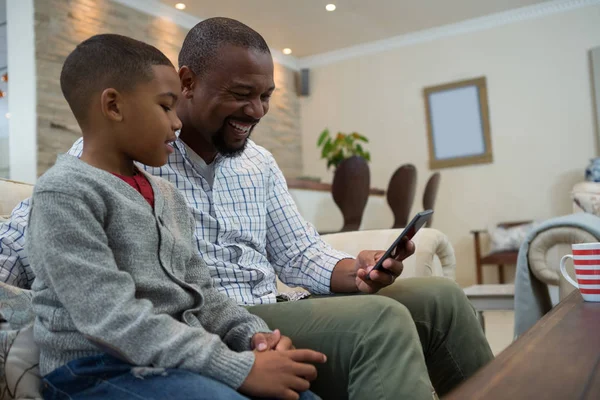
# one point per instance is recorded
(188, 81)
(111, 102)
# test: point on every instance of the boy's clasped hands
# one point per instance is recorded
(287, 369)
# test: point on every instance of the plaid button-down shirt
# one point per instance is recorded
(248, 229)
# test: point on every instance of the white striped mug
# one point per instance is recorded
(586, 259)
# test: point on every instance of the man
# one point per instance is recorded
(420, 332)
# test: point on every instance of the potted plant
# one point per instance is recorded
(335, 150)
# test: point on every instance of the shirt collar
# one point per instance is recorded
(184, 149)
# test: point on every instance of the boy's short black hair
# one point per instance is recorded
(106, 61)
(199, 49)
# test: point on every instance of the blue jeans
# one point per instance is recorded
(106, 377)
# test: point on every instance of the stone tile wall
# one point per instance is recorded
(61, 24)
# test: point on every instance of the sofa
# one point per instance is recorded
(19, 377)
(539, 285)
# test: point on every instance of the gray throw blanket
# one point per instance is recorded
(532, 299)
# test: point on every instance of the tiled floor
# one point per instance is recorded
(499, 326)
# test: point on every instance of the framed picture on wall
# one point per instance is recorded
(458, 124)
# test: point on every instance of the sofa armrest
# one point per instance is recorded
(434, 249)
(546, 250)
(544, 242)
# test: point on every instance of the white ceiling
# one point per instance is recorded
(308, 29)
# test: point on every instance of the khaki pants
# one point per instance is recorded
(418, 333)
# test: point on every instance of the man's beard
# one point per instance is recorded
(218, 140)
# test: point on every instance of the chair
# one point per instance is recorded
(500, 258)
(430, 194)
(350, 190)
(401, 194)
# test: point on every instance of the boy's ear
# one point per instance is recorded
(188, 81)
(111, 102)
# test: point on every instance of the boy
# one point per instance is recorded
(124, 305)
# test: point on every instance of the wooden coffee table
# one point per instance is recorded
(558, 358)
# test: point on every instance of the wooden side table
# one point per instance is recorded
(490, 298)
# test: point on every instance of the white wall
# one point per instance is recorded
(595, 70)
(3, 136)
(22, 140)
(3, 157)
(3, 100)
(541, 119)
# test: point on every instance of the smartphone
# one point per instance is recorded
(407, 234)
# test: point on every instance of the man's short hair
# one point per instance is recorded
(106, 61)
(200, 47)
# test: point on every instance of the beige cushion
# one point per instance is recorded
(12, 194)
(19, 373)
(23, 380)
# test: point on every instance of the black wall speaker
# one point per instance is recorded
(302, 83)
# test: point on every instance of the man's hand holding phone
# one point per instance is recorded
(369, 280)
(378, 269)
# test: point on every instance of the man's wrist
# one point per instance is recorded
(343, 276)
